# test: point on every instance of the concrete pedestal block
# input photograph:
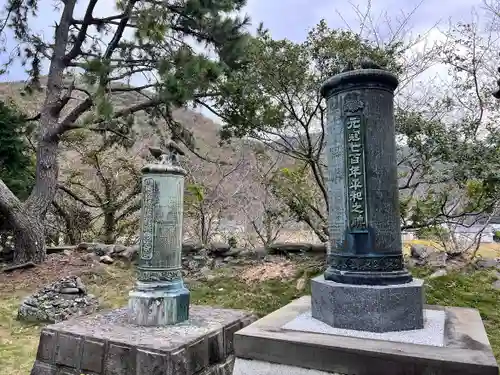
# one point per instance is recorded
(158, 308)
(288, 342)
(108, 344)
(374, 308)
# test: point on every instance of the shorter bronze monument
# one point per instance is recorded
(160, 297)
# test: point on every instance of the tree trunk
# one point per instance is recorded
(109, 228)
(28, 231)
(29, 242)
(72, 235)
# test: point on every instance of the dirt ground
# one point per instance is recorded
(56, 266)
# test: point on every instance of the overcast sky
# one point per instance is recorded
(292, 19)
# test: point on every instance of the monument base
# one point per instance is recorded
(289, 341)
(107, 344)
(374, 308)
(158, 307)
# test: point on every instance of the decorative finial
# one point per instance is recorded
(170, 156)
(367, 63)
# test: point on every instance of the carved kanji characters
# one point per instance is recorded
(354, 136)
(355, 184)
(355, 196)
(354, 147)
(353, 123)
(354, 171)
(357, 208)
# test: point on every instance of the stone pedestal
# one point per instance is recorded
(290, 341)
(107, 344)
(374, 308)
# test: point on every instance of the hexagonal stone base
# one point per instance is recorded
(158, 308)
(371, 308)
(107, 344)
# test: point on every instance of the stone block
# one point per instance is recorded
(152, 363)
(371, 308)
(229, 332)
(216, 347)
(68, 350)
(120, 360)
(108, 344)
(46, 346)
(40, 368)
(178, 363)
(465, 350)
(198, 355)
(93, 356)
(158, 308)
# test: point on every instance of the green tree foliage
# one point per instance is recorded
(107, 184)
(448, 146)
(16, 157)
(275, 99)
(142, 41)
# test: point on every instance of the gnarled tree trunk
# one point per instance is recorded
(27, 219)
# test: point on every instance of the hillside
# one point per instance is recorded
(204, 167)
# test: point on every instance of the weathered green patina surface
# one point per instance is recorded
(364, 223)
(160, 297)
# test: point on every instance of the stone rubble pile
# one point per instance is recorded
(61, 300)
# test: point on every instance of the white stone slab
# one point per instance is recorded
(432, 334)
(254, 367)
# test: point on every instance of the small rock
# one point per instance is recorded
(496, 285)
(218, 248)
(191, 247)
(437, 259)
(419, 251)
(69, 291)
(79, 285)
(301, 284)
(438, 273)
(285, 248)
(198, 257)
(486, 263)
(118, 248)
(106, 259)
(228, 259)
(129, 254)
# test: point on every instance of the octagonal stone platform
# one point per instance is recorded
(107, 344)
(287, 342)
(374, 308)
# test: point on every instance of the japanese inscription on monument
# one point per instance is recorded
(148, 217)
(336, 176)
(355, 172)
(168, 221)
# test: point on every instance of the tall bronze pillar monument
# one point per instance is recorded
(364, 218)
